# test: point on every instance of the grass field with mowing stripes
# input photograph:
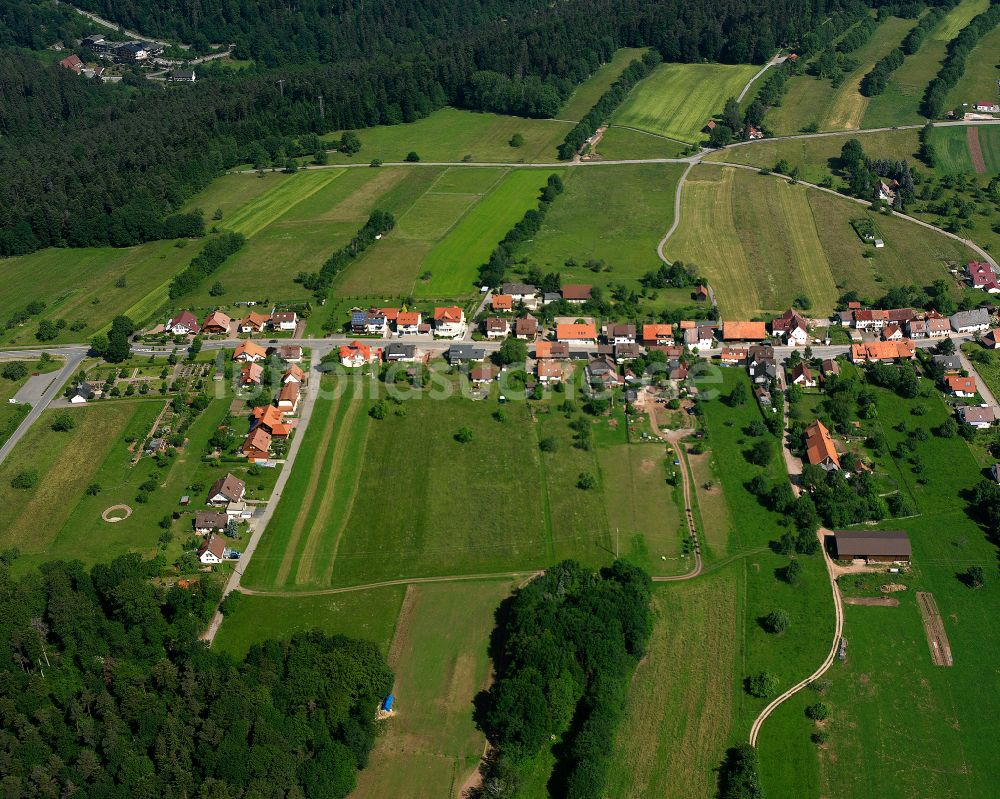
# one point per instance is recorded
(678, 100)
(266, 208)
(589, 92)
(979, 83)
(951, 149)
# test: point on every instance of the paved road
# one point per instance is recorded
(969, 366)
(73, 360)
(677, 215)
(107, 23)
(776, 59)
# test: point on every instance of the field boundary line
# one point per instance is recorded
(451, 578)
(650, 133)
(677, 213)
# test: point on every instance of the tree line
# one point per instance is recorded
(107, 692)
(564, 650)
(953, 67)
(378, 223)
(205, 263)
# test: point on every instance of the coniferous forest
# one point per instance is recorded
(88, 164)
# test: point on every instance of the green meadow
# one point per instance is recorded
(589, 92)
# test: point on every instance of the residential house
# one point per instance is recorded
(580, 334)
(733, 356)
(526, 328)
(601, 374)
(763, 396)
(868, 319)
(686, 324)
(791, 326)
(73, 63)
(502, 302)
(548, 371)
(887, 191)
(576, 293)
(761, 364)
(951, 364)
(284, 320)
(959, 386)
(991, 340)
(872, 546)
(216, 322)
(254, 322)
(801, 375)
(676, 369)
(551, 350)
(496, 327)
(830, 366)
(658, 334)
(882, 351)
(449, 322)
(288, 398)
(988, 107)
(484, 374)
(400, 353)
(291, 353)
(744, 331)
(627, 352)
(257, 445)
(272, 420)
(938, 326)
(918, 328)
(82, 393)
(706, 336)
(619, 334)
(358, 354)
(980, 417)
(212, 550)
(184, 324)
(210, 521)
(974, 321)
(892, 332)
(131, 52)
(373, 323)
(464, 353)
(819, 447)
(248, 352)
(293, 374)
(182, 76)
(521, 292)
(408, 323)
(982, 276)
(690, 338)
(550, 297)
(252, 375)
(391, 315)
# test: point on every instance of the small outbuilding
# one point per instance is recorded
(879, 546)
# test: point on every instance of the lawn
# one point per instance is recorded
(899, 104)
(677, 100)
(368, 615)
(450, 135)
(439, 656)
(979, 83)
(617, 214)
(762, 242)
(626, 143)
(811, 100)
(951, 149)
(586, 95)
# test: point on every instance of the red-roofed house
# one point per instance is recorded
(288, 399)
(502, 302)
(251, 375)
(658, 334)
(257, 446)
(819, 447)
(961, 386)
(449, 322)
(982, 276)
(791, 326)
(408, 323)
(248, 352)
(183, 324)
(358, 354)
(72, 62)
(744, 331)
(216, 322)
(579, 334)
(576, 293)
(272, 420)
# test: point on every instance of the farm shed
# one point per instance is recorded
(882, 546)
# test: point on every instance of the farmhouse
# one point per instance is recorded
(520, 292)
(878, 546)
(251, 375)
(802, 376)
(284, 320)
(449, 321)
(819, 447)
(882, 351)
(272, 420)
(579, 334)
(959, 386)
(658, 334)
(254, 322)
(358, 354)
(791, 326)
(973, 321)
(184, 324)
(496, 327)
(225, 490)
(744, 331)
(526, 328)
(257, 446)
(981, 417)
(576, 293)
(212, 550)
(502, 302)
(551, 350)
(982, 276)
(210, 521)
(288, 399)
(248, 352)
(408, 323)
(216, 322)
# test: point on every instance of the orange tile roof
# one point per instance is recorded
(744, 331)
(450, 313)
(688, 324)
(957, 383)
(549, 368)
(655, 332)
(290, 393)
(216, 319)
(258, 439)
(391, 314)
(882, 350)
(502, 302)
(252, 373)
(576, 291)
(295, 372)
(249, 349)
(576, 331)
(254, 319)
(408, 318)
(356, 347)
(819, 445)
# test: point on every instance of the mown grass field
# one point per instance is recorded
(439, 656)
(369, 615)
(951, 149)
(590, 91)
(762, 242)
(811, 100)
(678, 100)
(613, 213)
(625, 143)
(899, 104)
(979, 82)
(450, 134)
(231, 192)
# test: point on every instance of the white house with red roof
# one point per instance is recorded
(449, 322)
(183, 324)
(791, 326)
(358, 354)
(982, 276)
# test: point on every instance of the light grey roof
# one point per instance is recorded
(878, 543)
(977, 316)
(465, 352)
(948, 361)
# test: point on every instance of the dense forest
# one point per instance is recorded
(106, 693)
(564, 651)
(89, 164)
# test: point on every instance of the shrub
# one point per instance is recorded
(15, 370)
(547, 444)
(231, 603)
(762, 685)
(25, 480)
(586, 481)
(818, 711)
(63, 422)
(464, 435)
(412, 157)
(777, 621)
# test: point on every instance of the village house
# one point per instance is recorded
(882, 351)
(551, 350)
(225, 490)
(502, 302)
(548, 371)
(182, 76)
(627, 352)
(210, 521)
(791, 326)
(700, 293)
(293, 374)
(601, 374)
(284, 320)
(449, 322)
(988, 107)
(408, 323)
(801, 375)
(991, 340)
(523, 293)
(212, 550)
(938, 326)
(257, 445)
(464, 353)
(131, 52)
(288, 398)
(72, 63)
(373, 322)
(918, 328)
(706, 335)
(184, 324)
(216, 322)
(291, 353)
(830, 366)
(819, 447)
(580, 334)
(526, 328)
(690, 338)
(248, 352)
(744, 331)
(619, 334)
(576, 293)
(872, 546)
(959, 386)
(483, 374)
(974, 321)
(981, 417)
(982, 276)
(357, 354)
(400, 353)
(892, 332)
(887, 191)
(254, 322)
(658, 334)
(550, 297)
(951, 364)
(252, 375)
(763, 396)
(495, 327)
(867, 319)
(733, 356)
(272, 420)
(761, 365)
(82, 393)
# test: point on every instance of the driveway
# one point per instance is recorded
(984, 390)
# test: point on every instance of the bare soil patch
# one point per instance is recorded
(937, 638)
(116, 513)
(873, 601)
(975, 150)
